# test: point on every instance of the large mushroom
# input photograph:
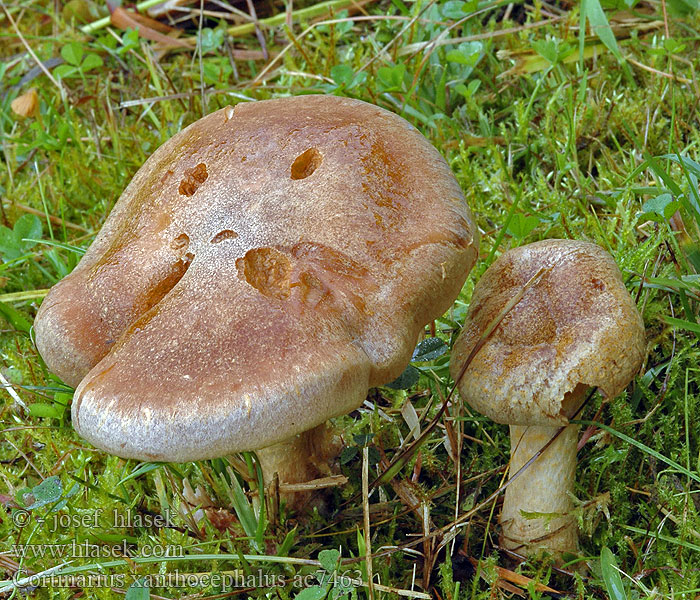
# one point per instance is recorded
(568, 325)
(262, 270)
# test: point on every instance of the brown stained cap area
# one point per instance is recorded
(575, 327)
(192, 179)
(268, 271)
(263, 268)
(306, 163)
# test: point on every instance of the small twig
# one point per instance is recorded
(17, 584)
(516, 578)
(397, 37)
(288, 12)
(10, 390)
(432, 45)
(655, 270)
(25, 457)
(309, 12)
(258, 30)
(314, 484)
(392, 590)
(100, 23)
(25, 295)
(201, 58)
(53, 80)
(418, 46)
(231, 58)
(52, 218)
(678, 78)
(232, 9)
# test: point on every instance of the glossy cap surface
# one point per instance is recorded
(262, 269)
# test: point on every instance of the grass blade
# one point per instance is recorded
(14, 318)
(242, 506)
(611, 575)
(145, 468)
(682, 324)
(595, 15)
(643, 448)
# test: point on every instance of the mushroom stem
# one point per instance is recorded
(302, 458)
(545, 487)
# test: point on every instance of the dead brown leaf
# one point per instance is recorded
(148, 28)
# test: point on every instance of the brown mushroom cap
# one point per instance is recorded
(576, 327)
(264, 267)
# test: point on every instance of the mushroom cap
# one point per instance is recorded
(262, 270)
(574, 327)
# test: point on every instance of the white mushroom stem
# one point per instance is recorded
(302, 458)
(545, 487)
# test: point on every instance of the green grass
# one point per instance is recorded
(549, 134)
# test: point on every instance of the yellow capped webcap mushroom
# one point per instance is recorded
(262, 270)
(574, 328)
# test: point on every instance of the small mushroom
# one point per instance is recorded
(262, 270)
(572, 326)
